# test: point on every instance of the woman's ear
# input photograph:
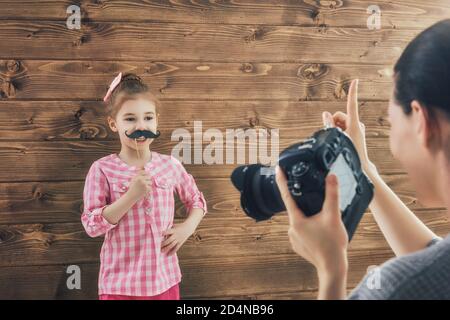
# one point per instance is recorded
(424, 124)
(112, 124)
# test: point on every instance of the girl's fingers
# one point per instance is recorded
(168, 241)
(175, 249)
(168, 232)
(169, 247)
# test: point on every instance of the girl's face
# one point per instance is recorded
(408, 145)
(133, 115)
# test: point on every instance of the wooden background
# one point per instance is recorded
(231, 64)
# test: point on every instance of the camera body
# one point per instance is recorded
(306, 165)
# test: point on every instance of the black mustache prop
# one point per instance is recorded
(143, 133)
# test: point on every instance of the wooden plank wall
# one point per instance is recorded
(231, 64)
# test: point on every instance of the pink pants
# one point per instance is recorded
(171, 294)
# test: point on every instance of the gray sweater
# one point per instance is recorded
(421, 275)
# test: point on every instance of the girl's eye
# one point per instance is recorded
(129, 119)
(149, 118)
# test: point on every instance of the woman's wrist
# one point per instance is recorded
(335, 266)
(332, 286)
(333, 279)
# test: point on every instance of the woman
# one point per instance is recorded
(419, 113)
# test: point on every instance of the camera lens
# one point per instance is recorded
(260, 196)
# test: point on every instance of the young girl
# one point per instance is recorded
(128, 197)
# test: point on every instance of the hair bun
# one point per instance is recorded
(132, 77)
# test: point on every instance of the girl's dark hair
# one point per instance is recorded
(423, 71)
(130, 87)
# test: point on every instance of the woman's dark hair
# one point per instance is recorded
(130, 86)
(423, 71)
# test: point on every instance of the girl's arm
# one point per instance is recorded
(115, 211)
(140, 185)
(179, 233)
(95, 201)
(196, 208)
(194, 218)
(98, 216)
(189, 194)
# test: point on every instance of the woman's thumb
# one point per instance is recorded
(331, 202)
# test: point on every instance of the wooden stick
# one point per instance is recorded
(137, 150)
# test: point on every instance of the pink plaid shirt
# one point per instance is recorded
(131, 262)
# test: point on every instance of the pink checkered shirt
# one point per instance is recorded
(131, 262)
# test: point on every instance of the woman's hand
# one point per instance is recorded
(350, 124)
(176, 237)
(321, 239)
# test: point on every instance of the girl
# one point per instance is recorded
(128, 197)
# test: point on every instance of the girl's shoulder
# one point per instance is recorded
(167, 159)
(106, 160)
(169, 164)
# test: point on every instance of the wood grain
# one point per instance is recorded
(197, 42)
(255, 252)
(55, 202)
(295, 279)
(241, 64)
(351, 13)
(217, 240)
(73, 80)
(71, 160)
(85, 120)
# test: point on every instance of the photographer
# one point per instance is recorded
(419, 113)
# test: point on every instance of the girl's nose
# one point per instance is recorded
(140, 125)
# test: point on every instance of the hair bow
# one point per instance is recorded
(112, 86)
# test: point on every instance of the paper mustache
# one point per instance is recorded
(143, 133)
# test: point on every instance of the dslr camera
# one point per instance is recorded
(306, 165)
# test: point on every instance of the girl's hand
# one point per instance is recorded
(321, 239)
(140, 185)
(176, 237)
(350, 124)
